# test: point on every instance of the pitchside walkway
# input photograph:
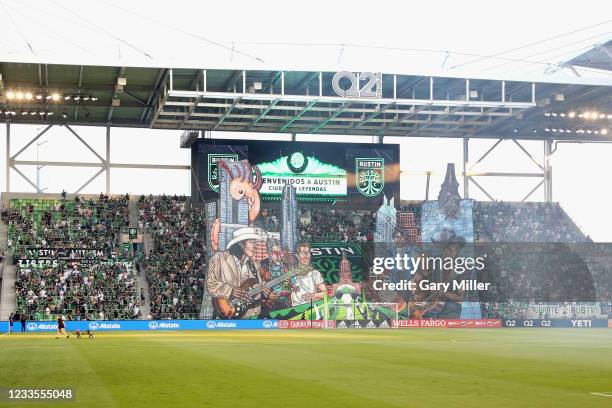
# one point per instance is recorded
(7, 294)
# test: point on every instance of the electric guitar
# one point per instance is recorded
(235, 308)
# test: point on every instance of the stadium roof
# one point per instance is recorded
(275, 101)
(599, 57)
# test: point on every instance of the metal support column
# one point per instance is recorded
(547, 171)
(466, 179)
(293, 137)
(108, 159)
(7, 166)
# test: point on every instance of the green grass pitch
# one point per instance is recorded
(324, 368)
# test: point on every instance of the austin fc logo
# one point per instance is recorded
(370, 176)
(214, 177)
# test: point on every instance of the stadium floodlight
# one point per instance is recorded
(571, 114)
(609, 116)
(28, 96)
(67, 97)
(10, 95)
(554, 114)
(93, 98)
(547, 114)
(604, 131)
(589, 131)
(55, 96)
(602, 116)
(562, 115)
(19, 95)
(39, 97)
(77, 97)
(594, 115)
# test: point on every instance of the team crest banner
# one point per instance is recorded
(370, 176)
(213, 168)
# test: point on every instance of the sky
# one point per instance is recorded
(509, 40)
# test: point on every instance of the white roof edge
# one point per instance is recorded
(556, 78)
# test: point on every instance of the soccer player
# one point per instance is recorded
(61, 327)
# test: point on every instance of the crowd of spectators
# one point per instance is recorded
(65, 223)
(177, 264)
(524, 222)
(104, 291)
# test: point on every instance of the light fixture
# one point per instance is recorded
(10, 95)
(55, 96)
(67, 97)
(587, 115)
(19, 95)
(604, 131)
(93, 98)
(39, 97)
(571, 114)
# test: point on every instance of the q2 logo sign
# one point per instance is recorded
(372, 88)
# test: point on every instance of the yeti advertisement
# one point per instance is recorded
(359, 175)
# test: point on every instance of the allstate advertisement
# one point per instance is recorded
(148, 325)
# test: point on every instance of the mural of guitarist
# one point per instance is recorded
(233, 273)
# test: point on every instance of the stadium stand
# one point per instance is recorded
(173, 270)
(176, 266)
(524, 222)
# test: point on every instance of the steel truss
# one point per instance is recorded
(104, 163)
(306, 103)
(544, 173)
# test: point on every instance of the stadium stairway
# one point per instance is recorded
(143, 283)
(9, 272)
(133, 211)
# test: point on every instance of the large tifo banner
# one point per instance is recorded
(356, 173)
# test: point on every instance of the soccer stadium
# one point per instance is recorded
(197, 217)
